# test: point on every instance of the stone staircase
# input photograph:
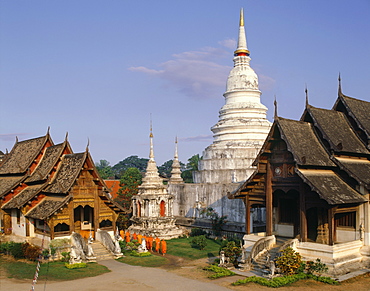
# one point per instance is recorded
(100, 252)
(260, 265)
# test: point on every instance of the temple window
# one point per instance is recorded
(346, 219)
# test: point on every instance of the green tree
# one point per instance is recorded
(193, 162)
(104, 169)
(191, 166)
(166, 168)
(217, 221)
(130, 181)
(129, 162)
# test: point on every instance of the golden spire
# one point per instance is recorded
(241, 49)
(241, 21)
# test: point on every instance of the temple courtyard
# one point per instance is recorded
(178, 274)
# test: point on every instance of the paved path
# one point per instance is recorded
(121, 277)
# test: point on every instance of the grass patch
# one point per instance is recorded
(151, 261)
(53, 271)
(285, 280)
(181, 247)
(218, 272)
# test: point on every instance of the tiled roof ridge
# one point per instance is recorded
(12, 165)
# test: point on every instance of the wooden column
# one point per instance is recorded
(71, 216)
(247, 215)
(331, 225)
(268, 190)
(7, 223)
(50, 223)
(97, 202)
(302, 212)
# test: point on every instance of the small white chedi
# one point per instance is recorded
(152, 207)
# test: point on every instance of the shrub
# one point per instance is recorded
(232, 251)
(5, 248)
(65, 256)
(199, 242)
(316, 267)
(218, 272)
(130, 246)
(136, 254)
(289, 262)
(31, 252)
(16, 250)
(197, 232)
(53, 250)
(122, 245)
(75, 266)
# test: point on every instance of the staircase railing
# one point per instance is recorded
(290, 243)
(262, 245)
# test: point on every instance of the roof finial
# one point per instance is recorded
(241, 21)
(151, 126)
(88, 144)
(151, 153)
(66, 138)
(339, 85)
(275, 111)
(306, 91)
(16, 139)
(242, 49)
(48, 131)
(176, 151)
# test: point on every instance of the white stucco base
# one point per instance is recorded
(340, 258)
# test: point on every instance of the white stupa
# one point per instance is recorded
(152, 207)
(242, 126)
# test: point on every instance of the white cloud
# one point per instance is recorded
(199, 74)
(229, 43)
(197, 138)
(145, 70)
(194, 73)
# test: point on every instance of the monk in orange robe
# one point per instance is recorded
(134, 236)
(163, 247)
(157, 244)
(150, 243)
(139, 238)
(122, 234)
(127, 236)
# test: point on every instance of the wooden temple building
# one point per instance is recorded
(48, 189)
(313, 179)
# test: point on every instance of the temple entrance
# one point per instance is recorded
(162, 209)
(312, 224)
(84, 220)
(138, 214)
(287, 215)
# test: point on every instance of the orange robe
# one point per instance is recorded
(134, 236)
(127, 236)
(163, 246)
(122, 233)
(139, 238)
(157, 242)
(149, 243)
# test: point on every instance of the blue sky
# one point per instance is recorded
(99, 69)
